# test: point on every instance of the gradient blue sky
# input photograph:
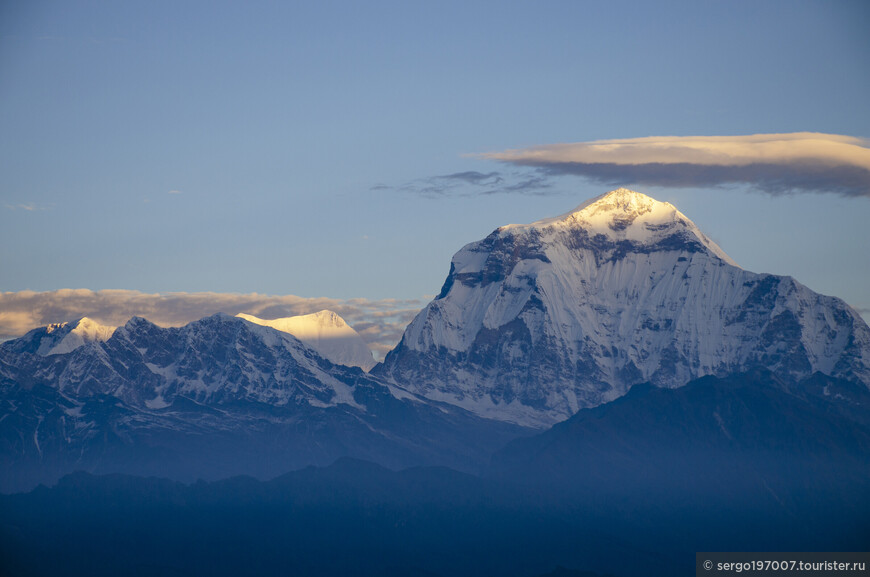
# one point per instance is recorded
(288, 147)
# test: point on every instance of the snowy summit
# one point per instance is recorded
(626, 215)
(325, 332)
(539, 320)
(61, 338)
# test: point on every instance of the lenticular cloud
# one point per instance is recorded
(773, 163)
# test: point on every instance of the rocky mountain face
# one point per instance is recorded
(537, 321)
(218, 397)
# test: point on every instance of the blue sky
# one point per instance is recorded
(289, 148)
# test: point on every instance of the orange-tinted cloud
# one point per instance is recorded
(773, 163)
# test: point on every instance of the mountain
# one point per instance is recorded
(713, 438)
(357, 518)
(699, 407)
(60, 338)
(350, 518)
(217, 397)
(537, 321)
(746, 462)
(534, 323)
(327, 333)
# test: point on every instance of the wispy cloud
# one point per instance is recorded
(29, 206)
(772, 163)
(380, 322)
(174, 192)
(474, 183)
(472, 177)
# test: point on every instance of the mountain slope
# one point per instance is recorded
(352, 518)
(356, 518)
(327, 333)
(537, 321)
(218, 397)
(713, 436)
(753, 452)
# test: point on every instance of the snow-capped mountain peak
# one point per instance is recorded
(625, 215)
(325, 332)
(538, 320)
(60, 338)
(621, 203)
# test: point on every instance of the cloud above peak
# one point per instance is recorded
(773, 163)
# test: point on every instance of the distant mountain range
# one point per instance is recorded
(221, 396)
(534, 323)
(606, 391)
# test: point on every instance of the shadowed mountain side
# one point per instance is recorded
(749, 462)
(189, 441)
(350, 519)
(358, 519)
(755, 415)
(216, 398)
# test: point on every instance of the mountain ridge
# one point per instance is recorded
(217, 397)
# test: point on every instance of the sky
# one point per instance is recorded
(346, 150)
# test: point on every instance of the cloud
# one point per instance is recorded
(380, 322)
(174, 192)
(29, 206)
(772, 163)
(472, 177)
(474, 183)
(538, 185)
